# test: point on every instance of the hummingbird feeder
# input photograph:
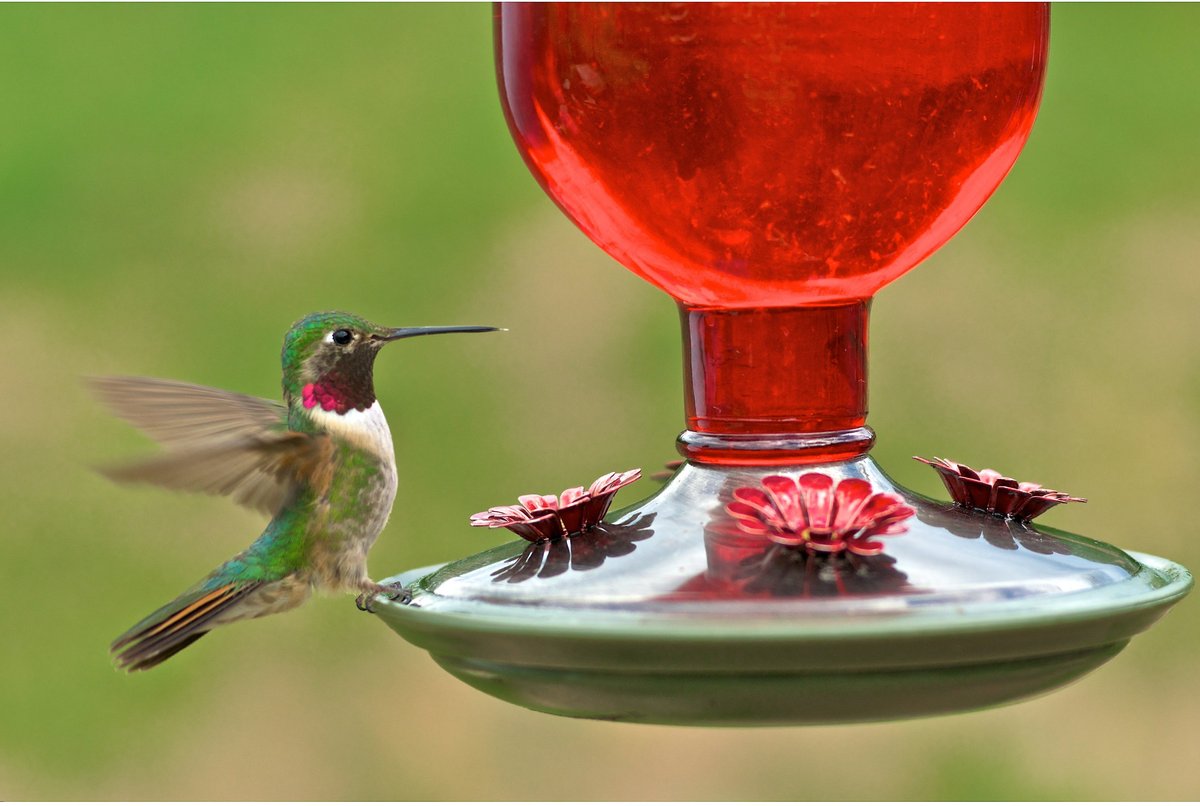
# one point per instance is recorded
(772, 166)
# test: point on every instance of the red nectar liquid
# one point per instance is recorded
(750, 158)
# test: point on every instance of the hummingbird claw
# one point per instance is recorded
(395, 592)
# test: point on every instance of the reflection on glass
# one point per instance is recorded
(782, 571)
(582, 552)
(1010, 535)
(741, 565)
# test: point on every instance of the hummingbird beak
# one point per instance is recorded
(409, 332)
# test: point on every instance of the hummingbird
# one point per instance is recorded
(321, 464)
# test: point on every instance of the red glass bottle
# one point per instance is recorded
(771, 166)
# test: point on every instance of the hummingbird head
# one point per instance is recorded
(329, 358)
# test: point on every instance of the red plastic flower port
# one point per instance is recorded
(812, 513)
(994, 493)
(550, 517)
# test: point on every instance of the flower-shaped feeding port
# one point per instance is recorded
(553, 517)
(993, 492)
(815, 514)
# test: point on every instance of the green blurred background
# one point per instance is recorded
(179, 183)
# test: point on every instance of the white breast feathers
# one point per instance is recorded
(368, 429)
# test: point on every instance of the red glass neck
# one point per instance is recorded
(775, 385)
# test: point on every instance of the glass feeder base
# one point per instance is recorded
(667, 614)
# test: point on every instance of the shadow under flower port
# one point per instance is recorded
(771, 167)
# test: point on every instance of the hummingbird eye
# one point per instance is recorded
(342, 336)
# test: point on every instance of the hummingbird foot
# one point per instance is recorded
(395, 591)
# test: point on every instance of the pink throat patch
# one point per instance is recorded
(314, 393)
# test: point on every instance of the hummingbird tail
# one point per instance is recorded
(177, 625)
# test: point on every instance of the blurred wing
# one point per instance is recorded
(256, 473)
(218, 442)
(182, 415)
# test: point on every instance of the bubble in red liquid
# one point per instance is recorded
(750, 155)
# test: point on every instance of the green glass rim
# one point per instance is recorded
(1159, 584)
